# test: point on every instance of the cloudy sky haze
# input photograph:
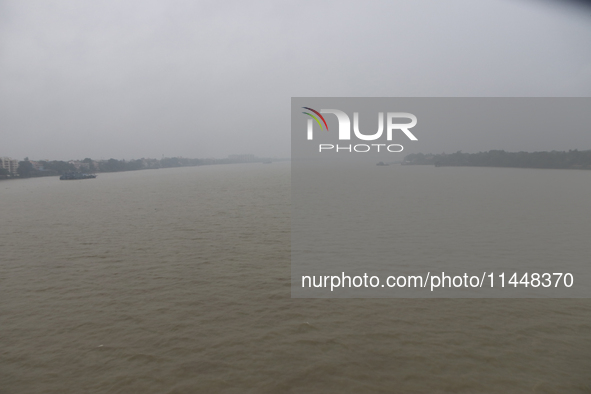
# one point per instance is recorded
(131, 79)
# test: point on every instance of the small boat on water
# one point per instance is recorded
(67, 176)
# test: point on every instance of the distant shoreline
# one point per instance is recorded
(560, 160)
(45, 168)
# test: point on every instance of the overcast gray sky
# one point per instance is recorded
(145, 78)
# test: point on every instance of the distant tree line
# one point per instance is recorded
(50, 168)
(28, 169)
(499, 158)
(57, 167)
(113, 165)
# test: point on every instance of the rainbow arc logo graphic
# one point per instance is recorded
(315, 118)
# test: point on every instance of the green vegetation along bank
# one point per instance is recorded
(31, 168)
(573, 159)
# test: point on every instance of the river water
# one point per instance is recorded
(178, 281)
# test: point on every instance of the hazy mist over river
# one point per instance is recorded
(177, 280)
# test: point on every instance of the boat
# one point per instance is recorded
(67, 176)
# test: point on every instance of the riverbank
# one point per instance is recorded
(573, 159)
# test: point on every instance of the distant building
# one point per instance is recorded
(242, 158)
(76, 164)
(10, 164)
(37, 165)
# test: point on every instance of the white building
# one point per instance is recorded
(10, 164)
